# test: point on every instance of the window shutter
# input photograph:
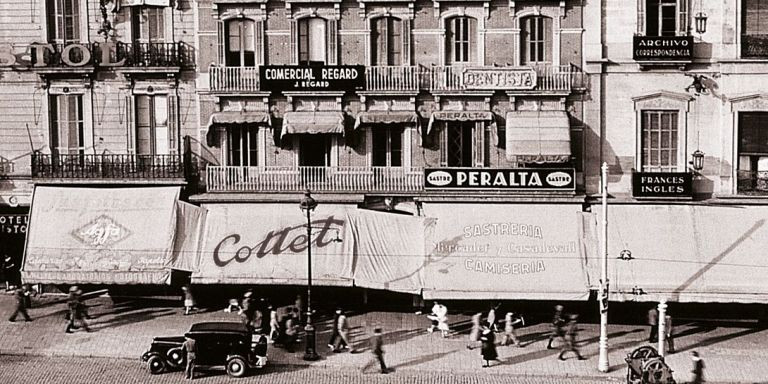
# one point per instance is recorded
(395, 39)
(129, 123)
(547, 39)
(406, 32)
(220, 42)
(332, 43)
(641, 17)
(450, 33)
(294, 42)
(473, 40)
(682, 17)
(259, 43)
(380, 43)
(173, 123)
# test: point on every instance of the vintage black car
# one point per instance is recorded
(219, 345)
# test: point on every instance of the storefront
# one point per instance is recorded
(109, 235)
(13, 232)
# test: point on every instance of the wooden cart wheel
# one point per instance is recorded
(654, 372)
(644, 352)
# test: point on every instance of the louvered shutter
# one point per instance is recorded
(406, 33)
(260, 43)
(450, 33)
(294, 42)
(332, 42)
(220, 42)
(130, 133)
(682, 17)
(173, 123)
(473, 40)
(547, 39)
(641, 17)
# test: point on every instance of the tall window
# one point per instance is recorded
(67, 136)
(754, 34)
(660, 141)
(663, 17)
(312, 41)
(461, 40)
(153, 136)
(241, 43)
(753, 152)
(388, 147)
(537, 40)
(459, 137)
(148, 25)
(63, 21)
(242, 144)
(387, 44)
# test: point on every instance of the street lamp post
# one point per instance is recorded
(308, 204)
(602, 363)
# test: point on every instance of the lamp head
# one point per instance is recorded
(697, 160)
(307, 203)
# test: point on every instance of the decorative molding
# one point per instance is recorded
(562, 9)
(751, 102)
(436, 8)
(487, 9)
(511, 6)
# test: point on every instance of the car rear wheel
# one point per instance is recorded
(156, 365)
(176, 358)
(236, 367)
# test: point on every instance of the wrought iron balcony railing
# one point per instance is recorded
(106, 166)
(120, 55)
(754, 46)
(321, 179)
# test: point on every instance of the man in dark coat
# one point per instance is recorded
(334, 329)
(570, 339)
(698, 368)
(653, 321)
(248, 309)
(557, 326)
(21, 295)
(78, 312)
(377, 344)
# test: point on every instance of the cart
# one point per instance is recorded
(646, 366)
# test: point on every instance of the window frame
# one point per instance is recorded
(243, 38)
(55, 25)
(55, 124)
(650, 149)
(387, 151)
(152, 127)
(530, 28)
(158, 18)
(682, 17)
(394, 30)
(753, 157)
(247, 133)
(469, 43)
(305, 23)
(669, 101)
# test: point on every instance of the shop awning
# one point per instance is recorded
(386, 117)
(131, 3)
(685, 253)
(458, 116)
(100, 235)
(538, 136)
(233, 117)
(505, 252)
(312, 123)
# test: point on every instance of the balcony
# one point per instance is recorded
(752, 183)
(320, 179)
(142, 55)
(754, 46)
(549, 78)
(107, 167)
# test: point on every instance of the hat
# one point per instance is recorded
(558, 307)
(248, 294)
(73, 289)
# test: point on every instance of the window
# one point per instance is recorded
(67, 136)
(63, 21)
(459, 137)
(315, 150)
(153, 136)
(461, 40)
(662, 17)
(660, 141)
(241, 43)
(312, 41)
(537, 40)
(387, 44)
(242, 144)
(754, 35)
(148, 25)
(387, 148)
(753, 152)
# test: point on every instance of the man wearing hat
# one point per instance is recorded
(570, 339)
(77, 310)
(21, 295)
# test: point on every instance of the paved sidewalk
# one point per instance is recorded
(736, 353)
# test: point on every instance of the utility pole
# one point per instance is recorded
(602, 364)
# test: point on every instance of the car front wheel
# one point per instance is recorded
(236, 367)
(156, 365)
(176, 358)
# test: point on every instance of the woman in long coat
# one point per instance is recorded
(488, 350)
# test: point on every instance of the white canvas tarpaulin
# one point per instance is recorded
(267, 244)
(189, 236)
(686, 253)
(389, 250)
(100, 235)
(510, 251)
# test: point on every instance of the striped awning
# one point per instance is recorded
(312, 123)
(458, 116)
(386, 117)
(233, 117)
(538, 136)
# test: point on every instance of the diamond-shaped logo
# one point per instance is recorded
(102, 231)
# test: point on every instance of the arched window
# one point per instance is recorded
(536, 46)
(241, 43)
(312, 41)
(387, 41)
(461, 40)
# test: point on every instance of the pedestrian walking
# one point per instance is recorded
(698, 368)
(189, 300)
(474, 333)
(334, 329)
(299, 304)
(488, 349)
(653, 321)
(274, 325)
(260, 351)
(557, 326)
(9, 273)
(247, 309)
(343, 330)
(377, 348)
(570, 339)
(78, 311)
(291, 331)
(492, 318)
(669, 332)
(510, 320)
(439, 319)
(21, 295)
(190, 349)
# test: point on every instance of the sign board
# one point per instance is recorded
(662, 48)
(662, 184)
(522, 179)
(286, 78)
(499, 78)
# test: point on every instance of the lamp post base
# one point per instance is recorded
(310, 352)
